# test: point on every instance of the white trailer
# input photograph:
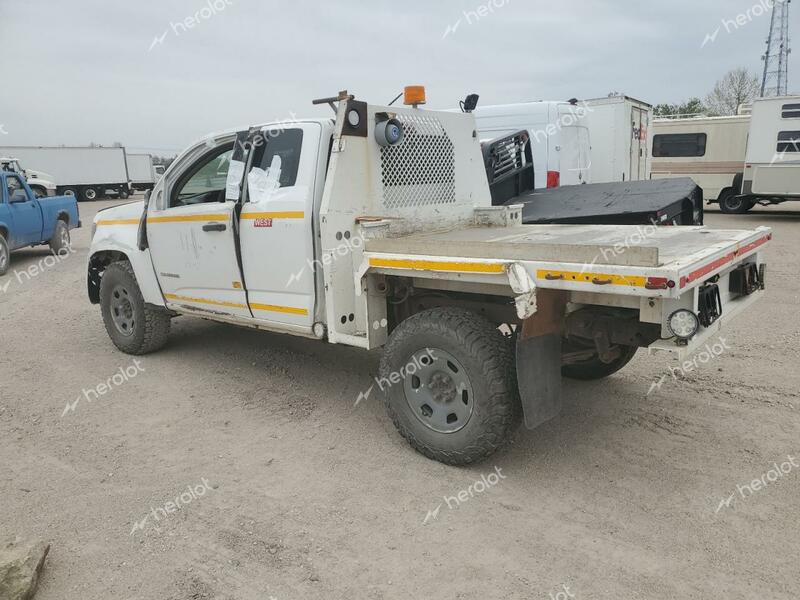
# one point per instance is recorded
(559, 137)
(772, 161)
(378, 230)
(619, 127)
(81, 171)
(710, 150)
(141, 172)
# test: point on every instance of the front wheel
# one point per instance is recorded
(134, 327)
(449, 385)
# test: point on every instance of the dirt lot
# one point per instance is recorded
(298, 494)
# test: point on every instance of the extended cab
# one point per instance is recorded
(26, 220)
(376, 229)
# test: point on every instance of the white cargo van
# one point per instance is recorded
(619, 127)
(559, 137)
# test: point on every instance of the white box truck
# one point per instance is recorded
(141, 172)
(81, 171)
(559, 137)
(619, 129)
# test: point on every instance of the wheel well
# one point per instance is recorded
(62, 216)
(97, 266)
(405, 300)
(4, 232)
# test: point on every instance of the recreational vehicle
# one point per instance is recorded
(710, 150)
(558, 133)
(619, 127)
(772, 161)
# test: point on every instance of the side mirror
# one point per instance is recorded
(470, 103)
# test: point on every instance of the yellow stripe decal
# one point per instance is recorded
(177, 298)
(186, 218)
(435, 265)
(265, 307)
(595, 278)
(297, 214)
(119, 222)
(280, 309)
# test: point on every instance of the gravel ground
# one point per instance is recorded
(281, 488)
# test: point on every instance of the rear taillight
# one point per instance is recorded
(553, 179)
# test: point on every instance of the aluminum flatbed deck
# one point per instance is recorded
(617, 259)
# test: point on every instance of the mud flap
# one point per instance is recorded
(539, 359)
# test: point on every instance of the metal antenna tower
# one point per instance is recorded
(776, 60)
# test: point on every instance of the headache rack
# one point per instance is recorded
(509, 166)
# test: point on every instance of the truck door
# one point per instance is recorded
(277, 231)
(192, 238)
(25, 213)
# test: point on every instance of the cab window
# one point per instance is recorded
(16, 192)
(285, 144)
(205, 181)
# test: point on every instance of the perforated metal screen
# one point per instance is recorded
(421, 170)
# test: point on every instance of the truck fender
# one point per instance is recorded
(538, 358)
(103, 254)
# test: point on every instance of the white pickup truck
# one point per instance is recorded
(376, 229)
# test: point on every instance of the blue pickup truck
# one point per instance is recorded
(26, 220)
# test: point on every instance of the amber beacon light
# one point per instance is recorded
(414, 95)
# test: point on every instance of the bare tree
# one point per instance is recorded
(736, 87)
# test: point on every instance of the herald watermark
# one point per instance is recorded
(576, 113)
(3, 129)
(384, 383)
(346, 247)
(473, 16)
(211, 9)
(564, 594)
(478, 487)
(709, 353)
(775, 474)
(122, 376)
(763, 7)
(192, 493)
(36, 269)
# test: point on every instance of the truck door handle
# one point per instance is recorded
(215, 227)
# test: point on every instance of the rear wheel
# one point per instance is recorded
(89, 194)
(732, 204)
(59, 243)
(5, 257)
(449, 385)
(134, 327)
(593, 368)
(70, 191)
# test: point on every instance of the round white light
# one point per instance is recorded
(684, 324)
(353, 118)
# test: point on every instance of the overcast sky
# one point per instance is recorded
(101, 71)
